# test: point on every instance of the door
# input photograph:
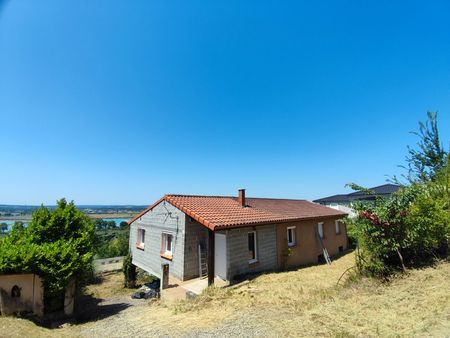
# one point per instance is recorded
(220, 256)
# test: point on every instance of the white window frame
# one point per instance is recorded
(255, 244)
(320, 230)
(294, 237)
(165, 237)
(337, 225)
(140, 239)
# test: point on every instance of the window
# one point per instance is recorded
(252, 254)
(320, 229)
(338, 227)
(167, 245)
(291, 236)
(140, 239)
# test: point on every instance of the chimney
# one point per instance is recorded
(241, 197)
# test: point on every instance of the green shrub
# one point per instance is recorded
(409, 228)
(57, 245)
(111, 243)
(129, 271)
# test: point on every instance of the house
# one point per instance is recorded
(344, 202)
(224, 237)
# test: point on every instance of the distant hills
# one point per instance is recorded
(94, 209)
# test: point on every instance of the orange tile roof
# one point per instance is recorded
(219, 212)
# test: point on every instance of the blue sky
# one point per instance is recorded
(122, 101)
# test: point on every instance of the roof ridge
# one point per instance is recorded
(278, 199)
(205, 196)
(383, 185)
(235, 197)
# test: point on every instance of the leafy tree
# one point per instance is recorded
(124, 225)
(3, 227)
(408, 228)
(429, 158)
(440, 188)
(17, 230)
(111, 243)
(414, 224)
(18, 226)
(101, 224)
(57, 245)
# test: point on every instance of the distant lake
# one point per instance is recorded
(10, 222)
(117, 220)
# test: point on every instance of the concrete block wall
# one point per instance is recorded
(237, 250)
(195, 233)
(164, 218)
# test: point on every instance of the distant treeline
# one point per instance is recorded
(111, 240)
(8, 210)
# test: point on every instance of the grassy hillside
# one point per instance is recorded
(306, 302)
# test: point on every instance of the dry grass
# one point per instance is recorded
(305, 302)
(16, 327)
(108, 285)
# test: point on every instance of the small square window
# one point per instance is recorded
(320, 229)
(338, 227)
(291, 240)
(140, 244)
(167, 245)
(252, 254)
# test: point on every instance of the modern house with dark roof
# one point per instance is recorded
(344, 202)
(224, 237)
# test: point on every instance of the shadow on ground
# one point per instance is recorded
(90, 308)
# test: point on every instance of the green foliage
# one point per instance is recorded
(57, 245)
(408, 228)
(18, 227)
(111, 243)
(101, 224)
(17, 231)
(129, 271)
(425, 162)
(3, 227)
(352, 232)
(414, 224)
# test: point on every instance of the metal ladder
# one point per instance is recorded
(202, 261)
(324, 250)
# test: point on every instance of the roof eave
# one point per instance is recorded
(243, 225)
(143, 212)
(214, 227)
